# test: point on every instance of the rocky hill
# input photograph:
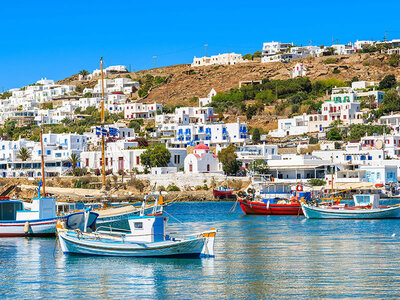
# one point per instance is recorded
(185, 82)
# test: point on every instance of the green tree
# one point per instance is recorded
(135, 125)
(24, 154)
(388, 82)
(74, 159)
(313, 140)
(248, 56)
(259, 166)
(391, 101)
(257, 54)
(330, 50)
(228, 158)
(159, 156)
(394, 60)
(334, 134)
(256, 136)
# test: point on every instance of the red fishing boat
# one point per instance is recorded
(281, 207)
(250, 206)
(222, 192)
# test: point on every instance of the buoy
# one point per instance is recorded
(393, 234)
(299, 188)
(27, 227)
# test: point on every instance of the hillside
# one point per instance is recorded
(184, 82)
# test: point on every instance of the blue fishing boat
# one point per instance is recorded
(147, 238)
(366, 207)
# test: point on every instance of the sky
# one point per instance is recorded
(56, 39)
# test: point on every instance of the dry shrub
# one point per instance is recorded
(236, 184)
(310, 149)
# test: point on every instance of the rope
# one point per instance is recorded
(173, 217)
(233, 208)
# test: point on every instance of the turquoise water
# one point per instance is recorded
(256, 257)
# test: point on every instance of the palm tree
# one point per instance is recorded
(74, 160)
(24, 154)
(84, 72)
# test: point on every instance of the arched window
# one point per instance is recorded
(208, 168)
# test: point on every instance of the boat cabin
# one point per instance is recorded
(8, 210)
(149, 228)
(367, 200)
(42, 208)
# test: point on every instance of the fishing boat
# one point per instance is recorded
(147, 238)
(252, 206)
(222, 192)
(366, 207)
(41, 220)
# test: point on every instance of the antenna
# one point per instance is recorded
(205, 46)
(154, 58)
(385, 36)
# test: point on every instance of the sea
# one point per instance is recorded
(256, 257)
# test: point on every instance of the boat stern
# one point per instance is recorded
(208, 248)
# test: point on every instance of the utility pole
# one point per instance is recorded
(154, 58)
(205, 46)
(309, 43)
(333, 41)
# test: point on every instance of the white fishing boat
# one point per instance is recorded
(147, 238)
(366, 207)
(41, 220)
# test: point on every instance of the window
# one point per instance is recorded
(87, 162)
(138, 225)
(362, 157)
(208, 168)
(48, 152)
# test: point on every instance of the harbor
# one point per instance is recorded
(256, 257)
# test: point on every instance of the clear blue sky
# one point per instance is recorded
(56, 39)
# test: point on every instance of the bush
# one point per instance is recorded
(317, 182)
(173, 188)
(313, 140)
(388, 82)
(394, 60)
(205, 187)
(330, 60)
(137, 184)
(336, 71)
(198, 187)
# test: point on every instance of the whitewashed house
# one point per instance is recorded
(141, 110)
(208, 99)
(299, 70)
(220, 59)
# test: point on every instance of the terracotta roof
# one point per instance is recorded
(201, 147)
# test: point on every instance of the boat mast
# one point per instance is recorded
(332, 178)
(42, 158)
(102, 126)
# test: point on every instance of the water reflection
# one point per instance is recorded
(256, 257)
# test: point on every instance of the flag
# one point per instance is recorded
(99, 131)
(113, 131)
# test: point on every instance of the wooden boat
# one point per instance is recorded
(222, 192)
(280, 207)
(366, 207)
(146, 238)
(41, 220)
(274, 206)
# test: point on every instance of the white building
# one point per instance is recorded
(117, 85)
(208, 99)
(141, 110)
(57, 151)
(220, 59)
(202, 161)
(299, 70)
(249, 153)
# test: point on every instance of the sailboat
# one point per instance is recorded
(41, 220)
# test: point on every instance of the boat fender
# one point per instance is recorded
(27, 227)
(268, 204)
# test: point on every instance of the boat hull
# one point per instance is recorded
(312, 212)
(218, 193)
(45, 227)
(259, 208)
(71, 243)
